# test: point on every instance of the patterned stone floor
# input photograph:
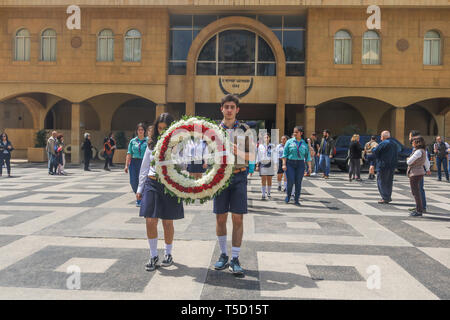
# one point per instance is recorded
(340, 244)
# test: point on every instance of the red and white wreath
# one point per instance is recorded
(167, 159)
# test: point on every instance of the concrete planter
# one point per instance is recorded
(37, 155)
(120, 155)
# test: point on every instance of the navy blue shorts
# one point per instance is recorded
(157, 204)
(234, 197)
(195, 167)
(280, 166)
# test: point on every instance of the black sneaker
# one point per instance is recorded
(415, 214)
(151, 265)
(279, 188)
(168, 260)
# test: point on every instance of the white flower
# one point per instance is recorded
(178, 138)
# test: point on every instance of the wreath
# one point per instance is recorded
(170, 159)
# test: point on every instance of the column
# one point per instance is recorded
(75, 133)
(399, 124)
(310, 120)
(160, 108)
(280, 116)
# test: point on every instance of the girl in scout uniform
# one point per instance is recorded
(265, 164)
(296, 152)
(135, 154)
(155, 203)
(280, 172)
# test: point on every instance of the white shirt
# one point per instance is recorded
(416, 155)
(262, 154)
(146, 169)
(280, 150)
(196, 150)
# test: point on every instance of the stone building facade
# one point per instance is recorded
(294, 62)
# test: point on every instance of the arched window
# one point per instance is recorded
(432, 48)
(22, 45)
(342, 47)
(371, 48)
(236, 52)
(48, 45)
(105, 45)
(132, 46)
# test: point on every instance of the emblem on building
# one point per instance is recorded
(238, 86)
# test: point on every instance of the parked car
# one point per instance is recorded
(343, 143)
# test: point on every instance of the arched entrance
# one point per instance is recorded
(132, 112)
(255, 53)
(340, 118)
(15, 114)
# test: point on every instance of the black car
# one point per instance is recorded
(343, 143)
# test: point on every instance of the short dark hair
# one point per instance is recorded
(373, 138)
(140, 125)
(300, 128)
(415, 133)
(420, 142)
(326, 130)
(230, 98)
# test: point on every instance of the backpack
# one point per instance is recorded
(107, 147)
(441, 150)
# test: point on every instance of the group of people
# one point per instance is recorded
(109, 147)
(55, 152)
(5, 153)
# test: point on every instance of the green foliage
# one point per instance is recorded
(121, 140)
(41, 139)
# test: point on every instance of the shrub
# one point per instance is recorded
(41, 139)
(121, 140)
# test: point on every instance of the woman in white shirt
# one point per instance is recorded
(155, 203)
(265, 163)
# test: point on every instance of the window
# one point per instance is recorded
(132, 46)
(371, 48)
(22, 45)
(48, 45)
(236, 52)
(291, 31)
(432, 48)
(342, 47)
(105, 45)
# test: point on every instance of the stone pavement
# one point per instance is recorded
(340, 244)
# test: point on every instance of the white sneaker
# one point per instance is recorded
(313, 174)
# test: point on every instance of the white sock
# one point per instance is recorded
(235, 252)
(268, 189)
(153, 247)
(263, 188)
(168, 248)
(279, 183)
(223, 244)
